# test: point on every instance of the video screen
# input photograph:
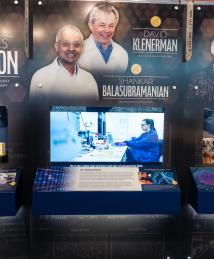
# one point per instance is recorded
(3, 134)
(208, 137)
(106, 136)
(157, 177)
(7, 179)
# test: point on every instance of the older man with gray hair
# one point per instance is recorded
(63, 81)
(101, 54)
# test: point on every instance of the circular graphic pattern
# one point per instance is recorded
(155, 21)
(206, 178)
(136, 69)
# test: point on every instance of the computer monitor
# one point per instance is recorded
(106, 135)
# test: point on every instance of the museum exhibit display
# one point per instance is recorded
(87, 136)
(105, 106)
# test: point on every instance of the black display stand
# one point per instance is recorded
(51, 196)
(201, 189)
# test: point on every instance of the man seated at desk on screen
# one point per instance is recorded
(101, 54)
(144, 148)
(63, 79)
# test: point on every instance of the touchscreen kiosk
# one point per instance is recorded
(106, 161)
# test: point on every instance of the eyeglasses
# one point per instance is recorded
(144, 124)
(68, 44)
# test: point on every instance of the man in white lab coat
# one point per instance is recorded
(101, 54)
(63, 81)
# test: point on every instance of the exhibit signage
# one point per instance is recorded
(8, 60)
(126, 55)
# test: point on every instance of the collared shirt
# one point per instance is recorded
(60, 64)
(105, 52)
(93, 61)
(54, 84)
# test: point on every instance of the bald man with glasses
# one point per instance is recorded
(64, 81)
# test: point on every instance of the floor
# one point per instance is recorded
(107, 237)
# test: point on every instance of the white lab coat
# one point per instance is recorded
(93, 61)
(53, 83)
